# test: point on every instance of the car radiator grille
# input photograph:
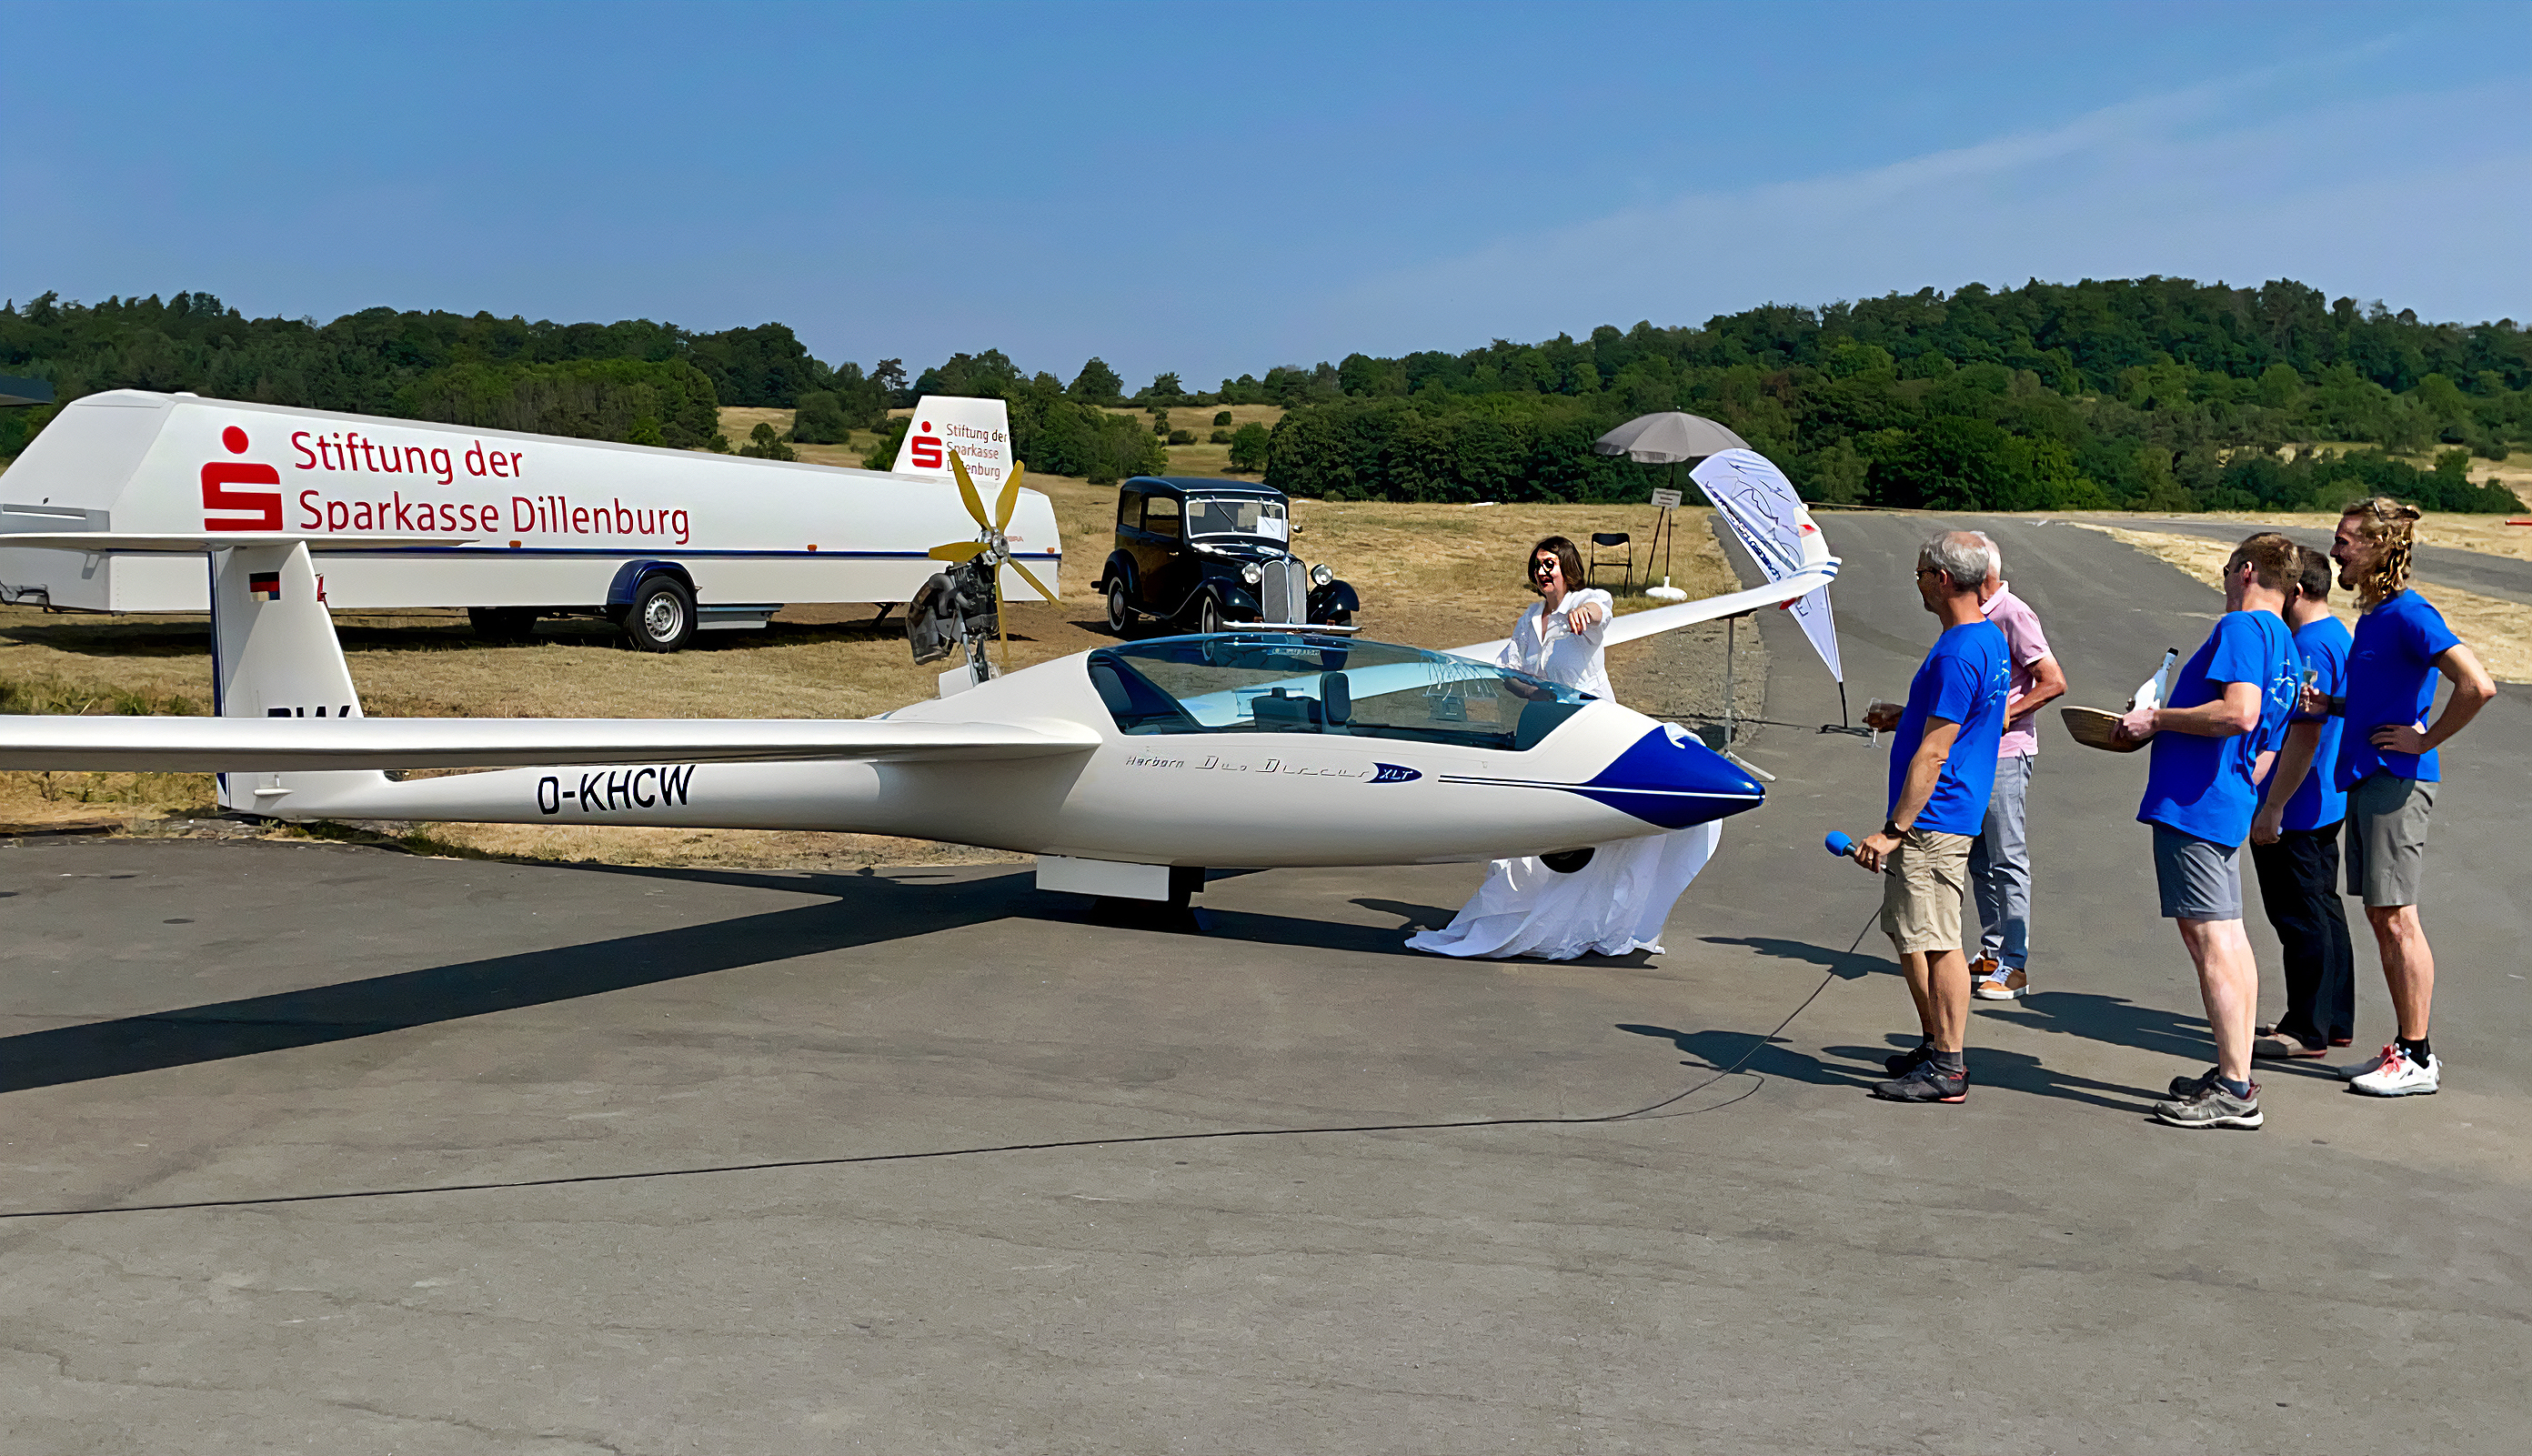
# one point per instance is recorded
(1285, 593)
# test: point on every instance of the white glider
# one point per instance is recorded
(1117, 766)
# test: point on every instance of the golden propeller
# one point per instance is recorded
(992, 544)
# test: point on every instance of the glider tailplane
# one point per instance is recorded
(275, 654)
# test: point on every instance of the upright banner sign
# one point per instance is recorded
(1755, 500)
(979, 429)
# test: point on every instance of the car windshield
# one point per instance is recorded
(1235, 515)
(1300, 683)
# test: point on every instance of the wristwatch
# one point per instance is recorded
(1891, 828)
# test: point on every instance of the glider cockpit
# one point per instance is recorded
(1287, 683)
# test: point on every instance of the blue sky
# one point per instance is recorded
(1214, 189)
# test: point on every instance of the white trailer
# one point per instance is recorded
(664, 542)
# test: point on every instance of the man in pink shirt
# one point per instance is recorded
(2000, 857)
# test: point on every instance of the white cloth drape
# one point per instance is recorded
(1614, 905)
(1611, 906)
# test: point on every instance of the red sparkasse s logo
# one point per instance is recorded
(926, 453)
(220, 474)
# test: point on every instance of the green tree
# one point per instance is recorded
(882, 455)
(765, 366)
(1839, 473)
(1248, 447)
(2160, 491)
(1097, 383)
(764, 444)
(586, 399)
(820, 420)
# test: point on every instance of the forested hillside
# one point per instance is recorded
(2121, 393)
(2159, 393)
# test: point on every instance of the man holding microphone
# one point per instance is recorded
(1942, 768)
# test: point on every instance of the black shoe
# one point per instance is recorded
(1925, 1082)
(1903, 1063)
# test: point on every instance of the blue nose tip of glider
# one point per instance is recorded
(1670, 778)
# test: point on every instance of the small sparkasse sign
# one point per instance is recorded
(1666, 500)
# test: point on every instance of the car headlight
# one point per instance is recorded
(1250, 574)
(1320, 575)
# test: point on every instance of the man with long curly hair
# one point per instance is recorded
(2387, 766)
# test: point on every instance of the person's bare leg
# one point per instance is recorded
(1921, 991)
(2229, 981)
(1947, 999)
(2408, 964)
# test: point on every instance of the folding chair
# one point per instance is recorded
(1610, 540)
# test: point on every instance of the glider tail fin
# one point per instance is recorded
(275, 655)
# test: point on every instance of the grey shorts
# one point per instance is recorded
(1922, 889)
(2199, 879)
(2386, 837)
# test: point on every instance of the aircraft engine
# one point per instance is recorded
(954, 608)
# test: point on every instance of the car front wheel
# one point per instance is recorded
(1121, 613)
(1208, 615)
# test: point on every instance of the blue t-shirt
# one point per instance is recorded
(2201, 786)
(1965, 679)
(2392, 681)
(2319, 800)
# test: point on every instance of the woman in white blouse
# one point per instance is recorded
(1558, 637)
(1611, 898)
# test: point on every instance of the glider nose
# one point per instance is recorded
(1671, 779)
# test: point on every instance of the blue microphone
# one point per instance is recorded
(1839, 844)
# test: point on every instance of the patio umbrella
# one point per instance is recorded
(1667, 438)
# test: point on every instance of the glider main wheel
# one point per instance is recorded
(502, 623)
(1568, 861)
(1121, 613)
(1208, 615)
(661, 618)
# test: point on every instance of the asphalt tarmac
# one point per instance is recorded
(969, 1252)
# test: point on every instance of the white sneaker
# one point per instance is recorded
(2400, 1076)
(2369, 1066)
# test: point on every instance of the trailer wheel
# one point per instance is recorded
(1121, 614)
(661, 618)
(502, 623)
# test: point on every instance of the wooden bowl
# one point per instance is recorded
(2097, 728)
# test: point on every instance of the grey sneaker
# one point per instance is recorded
(2185, 1087)
(2210, 1106)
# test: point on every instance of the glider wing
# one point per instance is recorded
(1636, 624)
(283, 745)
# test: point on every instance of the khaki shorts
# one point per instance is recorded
(2386, 837)
(1922, 889)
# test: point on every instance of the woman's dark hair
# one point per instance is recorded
(1569, 561)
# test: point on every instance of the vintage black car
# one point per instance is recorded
(1201, 554)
